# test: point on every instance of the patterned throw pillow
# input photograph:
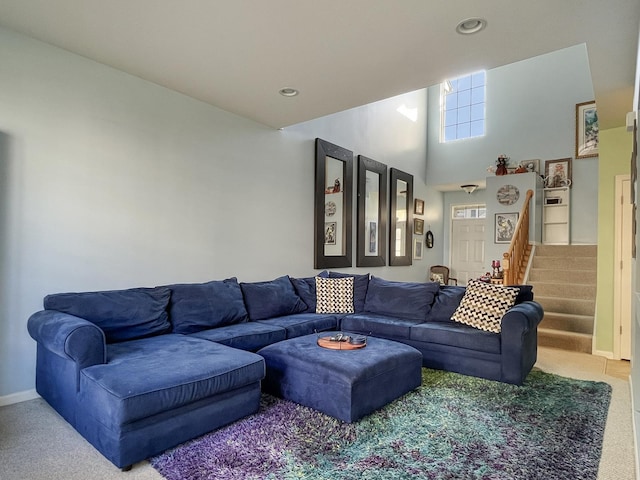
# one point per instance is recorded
(483, 305)
(334, 295)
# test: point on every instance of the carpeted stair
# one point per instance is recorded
(564, 283)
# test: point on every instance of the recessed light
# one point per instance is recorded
(471, 25)
(288, 92)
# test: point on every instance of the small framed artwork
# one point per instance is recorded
(587, 130)
(330, 233)
(505, 226)
(418, 226)
(418, 207)
(531, 165)
(557, 173)
(417, 249)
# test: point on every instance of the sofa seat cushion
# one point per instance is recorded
(410, 300)
(304, 323)
(379, 325)
(199, 306)
(121, 314)
(153, 375)
(456, 335)
(250, 336)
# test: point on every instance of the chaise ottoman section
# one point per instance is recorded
(345, 384)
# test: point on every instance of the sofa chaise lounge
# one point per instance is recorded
(141, 370)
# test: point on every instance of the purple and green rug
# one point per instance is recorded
(452, 427)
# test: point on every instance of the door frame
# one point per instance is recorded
(619, 261)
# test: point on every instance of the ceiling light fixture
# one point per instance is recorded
(288, 92)
(469, 188)
(471, 25)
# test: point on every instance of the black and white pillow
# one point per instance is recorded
(334, 295)
(484, 304)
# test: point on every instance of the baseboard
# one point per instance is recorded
(18, 397)
(605, 354)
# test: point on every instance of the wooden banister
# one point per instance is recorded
(514, 258)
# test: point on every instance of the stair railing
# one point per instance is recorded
(514, 258)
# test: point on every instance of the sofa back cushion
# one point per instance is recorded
(360, 286)
(306, 289)
(271, 299)
(447, 300)
(121, 314)
(409, 300)
(199, 306)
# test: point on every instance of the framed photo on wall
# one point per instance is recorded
(418, 207)
(505, 226)
(557, 173)
(417, 249)
(418, 226)
(587, 130)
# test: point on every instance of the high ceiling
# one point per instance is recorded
(237, 54)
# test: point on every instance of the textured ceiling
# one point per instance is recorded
(237, 54)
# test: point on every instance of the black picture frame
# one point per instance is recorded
(400, 218)
(333, 203)
(371, 247)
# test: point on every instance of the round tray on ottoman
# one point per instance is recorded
(341, 341)
(346, 385)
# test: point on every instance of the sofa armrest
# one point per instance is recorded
(521, 318)
(69, 337)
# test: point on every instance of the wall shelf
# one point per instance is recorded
(556, 216)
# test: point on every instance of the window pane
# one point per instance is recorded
(451, 101)
(477, 95)
(464, 98)
(464, 115)
(477, 128)
(463, 130)
(477, 112)
(464, 83)
(450, 118)
(477, 79)
(450, 133)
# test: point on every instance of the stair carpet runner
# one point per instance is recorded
(564, 283)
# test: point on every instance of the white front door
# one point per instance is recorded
(467, 249)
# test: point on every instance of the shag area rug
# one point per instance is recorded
(451, 427)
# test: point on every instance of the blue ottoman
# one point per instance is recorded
(345, 384)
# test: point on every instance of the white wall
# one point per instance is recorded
(530, 114)
(108, 182)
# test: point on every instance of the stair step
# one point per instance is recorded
(564, 290)
(567, 251)
(564, 263)
(567, 322)
(577, 342)
(568, 276)
(566, 305)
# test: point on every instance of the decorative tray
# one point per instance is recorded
(340, 341)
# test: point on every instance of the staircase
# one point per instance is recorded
(564, 283)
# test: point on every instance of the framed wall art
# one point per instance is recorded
(401, 218)
(505, 226)
(587, 130)
(557, 173)
(418, 226)
(417, 249)
(418, 207)
(333, 206)
(371, 249)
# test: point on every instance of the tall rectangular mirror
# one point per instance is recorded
(401, 218)
(371, 248)
(333, 206)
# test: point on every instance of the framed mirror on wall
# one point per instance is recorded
(371, 248)
(333, 206)
(401, 218)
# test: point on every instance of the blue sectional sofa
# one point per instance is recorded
(141, 370)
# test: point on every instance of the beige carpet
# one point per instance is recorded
(36, 444)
